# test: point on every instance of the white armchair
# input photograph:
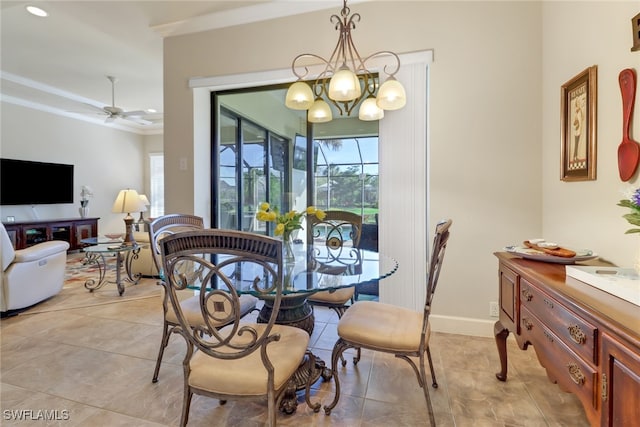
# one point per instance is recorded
(32, 274)
(144, 263)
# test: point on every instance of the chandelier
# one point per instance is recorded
(345, 81)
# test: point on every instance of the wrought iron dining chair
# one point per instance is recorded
(242, 361)
(164, 226)
(339, 231)
(391, 329)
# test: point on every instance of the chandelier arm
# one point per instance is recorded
(388, 53)
(302, 75)
(370, 85)
(350, 46)
(320, 87)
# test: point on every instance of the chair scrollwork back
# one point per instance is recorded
(207, 261)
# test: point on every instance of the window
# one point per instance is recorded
(253, 168)
(156, 175)
(266, 152)
(346, 175)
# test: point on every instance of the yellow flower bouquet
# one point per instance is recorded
(287, 222)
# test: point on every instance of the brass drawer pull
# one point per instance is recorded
(549, 303)
(577, 335)
(548, 335)
(575, 373)
(527, 323)
(528, 296)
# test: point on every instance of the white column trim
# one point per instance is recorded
(403, 191)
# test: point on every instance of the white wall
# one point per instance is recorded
(105, 159)
(585, 213)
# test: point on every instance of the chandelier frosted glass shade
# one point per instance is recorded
(299, 96)
(391, 95)
(319, 112)
(344, 85)
(370, 111)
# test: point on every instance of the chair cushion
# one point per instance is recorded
(247, 376)
(339, 296)
(41, 250)
(382, 326)
(191, 309)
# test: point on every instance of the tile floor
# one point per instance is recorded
(94, 367)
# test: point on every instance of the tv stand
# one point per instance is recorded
(28, 233)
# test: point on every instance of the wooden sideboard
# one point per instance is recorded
(27, 233)
(587, 340)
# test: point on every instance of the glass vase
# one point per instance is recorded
(287, 248)
(84, 211)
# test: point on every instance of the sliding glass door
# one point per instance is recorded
(252, 168)
(266, 152)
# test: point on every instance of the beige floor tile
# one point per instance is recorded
(96, 363)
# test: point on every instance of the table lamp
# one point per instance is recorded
(145, 202)
(128, 201)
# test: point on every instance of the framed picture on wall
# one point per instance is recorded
(578, 126)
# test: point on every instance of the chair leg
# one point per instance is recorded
(339, 347)
(163, 344)
(271, 412)
(425, 389)
(307, 389)
(433, 372)
(427, 397)
(185, 406)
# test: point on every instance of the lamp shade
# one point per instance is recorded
(319, 112)
(145, 202)
(344, 85)
(391, 95)
(299, 96)
(369, 111)
(128, 201)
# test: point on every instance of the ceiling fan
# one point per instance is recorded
(114, 112)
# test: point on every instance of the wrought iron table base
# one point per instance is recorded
(296, 311)
(98, 259)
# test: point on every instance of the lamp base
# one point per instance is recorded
(128, 236)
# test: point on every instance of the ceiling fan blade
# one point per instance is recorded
(136, 113)
(139, 120)
(110, 119)
(95, 109)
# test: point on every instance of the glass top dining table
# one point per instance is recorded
(314, 268)
(320, 268)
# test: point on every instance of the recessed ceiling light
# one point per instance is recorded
(151, 110)
(36, 11)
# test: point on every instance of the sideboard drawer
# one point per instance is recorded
(574, 331)
(571, 372)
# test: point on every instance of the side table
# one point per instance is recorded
(125, 254)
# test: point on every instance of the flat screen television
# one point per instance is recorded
(23, 182)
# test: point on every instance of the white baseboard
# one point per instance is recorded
(462, 325)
